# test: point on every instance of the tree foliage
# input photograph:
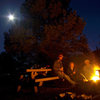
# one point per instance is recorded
(49, 28)
(20, 43)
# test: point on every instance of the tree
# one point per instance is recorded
(20, 43)
(55, 28)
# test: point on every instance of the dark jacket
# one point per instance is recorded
(57, 65)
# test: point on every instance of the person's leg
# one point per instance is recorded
(69, 79)
(60, 74)
(63, 75)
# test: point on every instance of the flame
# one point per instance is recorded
(95, 75)
(95, 78)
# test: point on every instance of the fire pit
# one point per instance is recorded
(96, 76)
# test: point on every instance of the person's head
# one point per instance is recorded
(71, 65)
(60, 57)
(87, 61)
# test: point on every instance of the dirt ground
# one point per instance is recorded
(46, 92)
(8, 91)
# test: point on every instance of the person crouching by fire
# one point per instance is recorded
(87, 69)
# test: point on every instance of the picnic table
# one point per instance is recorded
(44, 71)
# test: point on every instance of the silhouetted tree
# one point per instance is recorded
(20, 43)
(49, 27)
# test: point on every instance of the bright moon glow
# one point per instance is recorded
(11, 17)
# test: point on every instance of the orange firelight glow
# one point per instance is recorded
(95, 75)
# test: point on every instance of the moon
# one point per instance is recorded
(11, 17)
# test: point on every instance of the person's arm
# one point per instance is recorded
(74, 71)
(61, 69)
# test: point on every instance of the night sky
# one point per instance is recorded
(89, 10)
(6, 7)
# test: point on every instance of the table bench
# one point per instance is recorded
(34, 73)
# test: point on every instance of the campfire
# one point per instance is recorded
(96, 74)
